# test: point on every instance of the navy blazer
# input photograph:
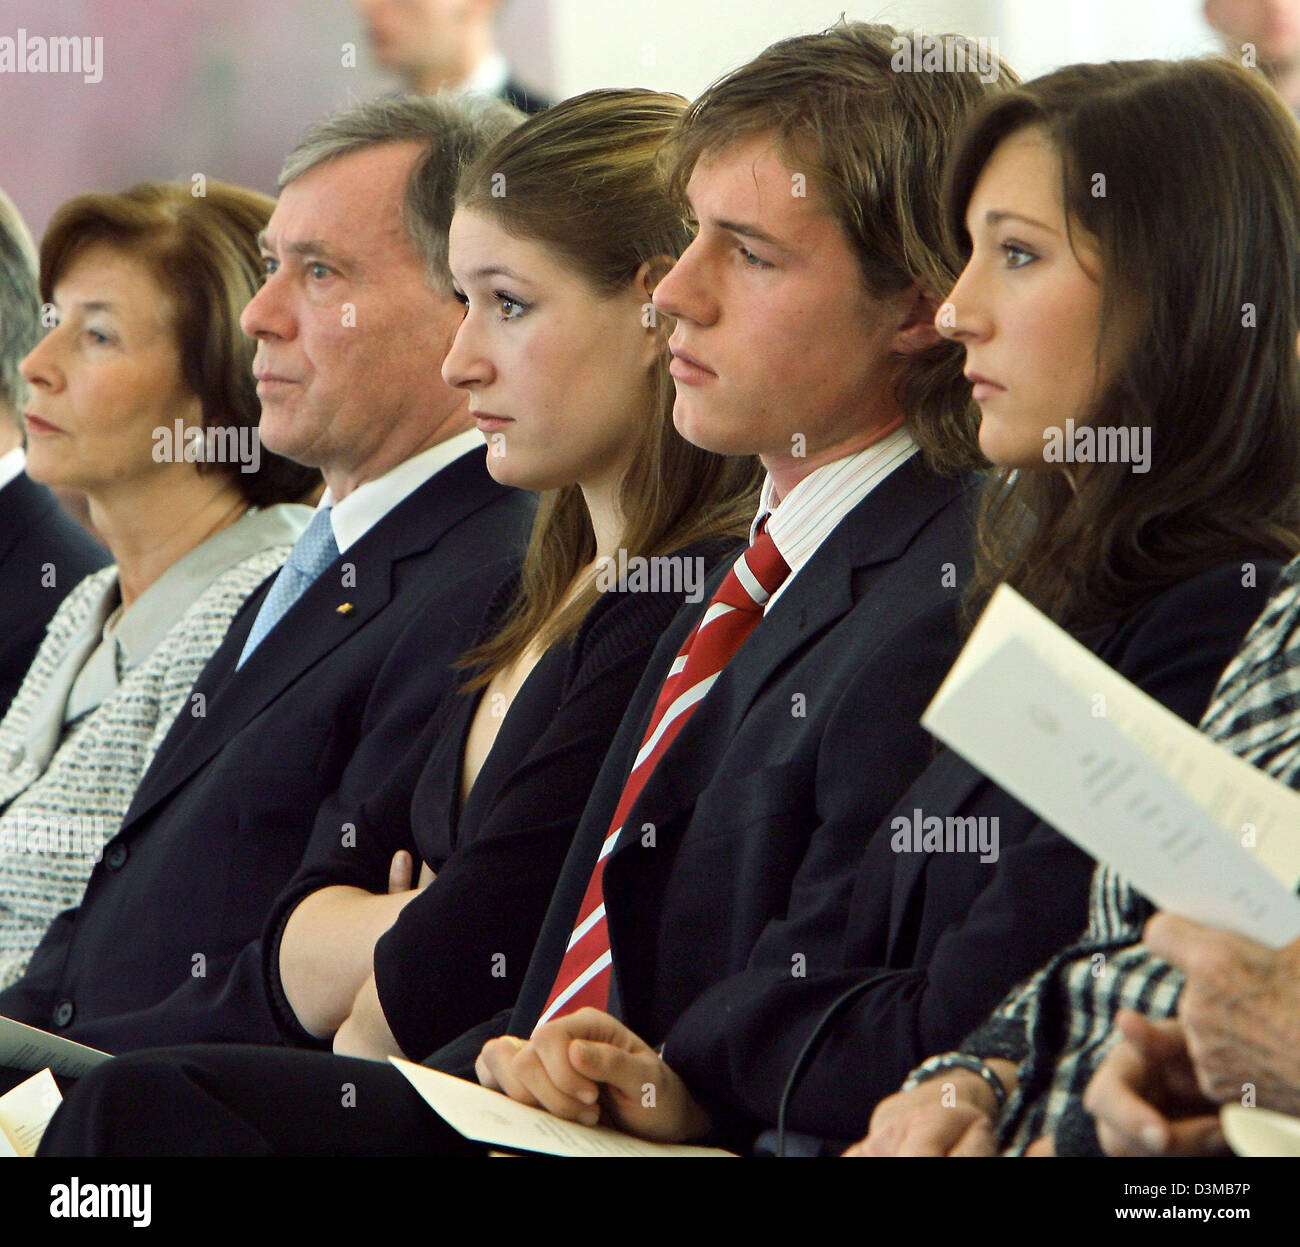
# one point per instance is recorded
(164, 946)
(44, 554)
(745, 841)
(457, 953)
(934, 940)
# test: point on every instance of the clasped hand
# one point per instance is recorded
(588, 1067)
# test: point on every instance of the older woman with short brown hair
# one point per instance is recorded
(143, 399)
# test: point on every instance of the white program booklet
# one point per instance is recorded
(25, 1112)
(26, 1047)
(1260, 1132)
(490, 1117)
(1191, 825)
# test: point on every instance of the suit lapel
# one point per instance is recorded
(313, 628)
(690, 763)
(45, 726)
(942, 789)
(875, 532)
(308, 633)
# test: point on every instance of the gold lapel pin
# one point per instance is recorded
(344, 609)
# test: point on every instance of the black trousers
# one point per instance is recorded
(241, 1100)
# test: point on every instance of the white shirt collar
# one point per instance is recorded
(12, 465)
(809, 513)
(489, 77)
(366, 505)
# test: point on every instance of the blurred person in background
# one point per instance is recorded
(43, 553)
(1263, 34)
(444, 45)
(142, 398)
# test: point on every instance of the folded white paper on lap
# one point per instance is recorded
(27, 1047)
(25, 1111)
(490, 1117)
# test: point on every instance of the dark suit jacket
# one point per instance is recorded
(522, 98)
(934, 940)
(164, 947)
(457, 953)
(44, 552)
(748, 834)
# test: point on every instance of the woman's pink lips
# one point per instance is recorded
(688, 370)
(982, 388)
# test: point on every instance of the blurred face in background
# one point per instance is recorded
(419, 38)
(1271, 26)
(104, 378)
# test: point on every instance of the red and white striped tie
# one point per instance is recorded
(734, 612)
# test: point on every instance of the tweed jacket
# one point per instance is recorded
(62, 799)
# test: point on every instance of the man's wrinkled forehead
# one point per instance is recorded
(347, 205)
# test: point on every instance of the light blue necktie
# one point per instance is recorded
(315, 550)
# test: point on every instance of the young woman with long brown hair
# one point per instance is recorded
(1174, 189)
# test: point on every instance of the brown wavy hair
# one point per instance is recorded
(1198, 232)
(873, 140)
(585, 180)
(203, 251)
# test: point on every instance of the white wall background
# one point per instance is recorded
(682, 45)
(1038, 35)
(225, 86)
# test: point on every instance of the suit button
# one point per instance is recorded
(64, 1012)
(116, 857)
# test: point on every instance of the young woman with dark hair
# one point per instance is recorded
(1172, 193)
